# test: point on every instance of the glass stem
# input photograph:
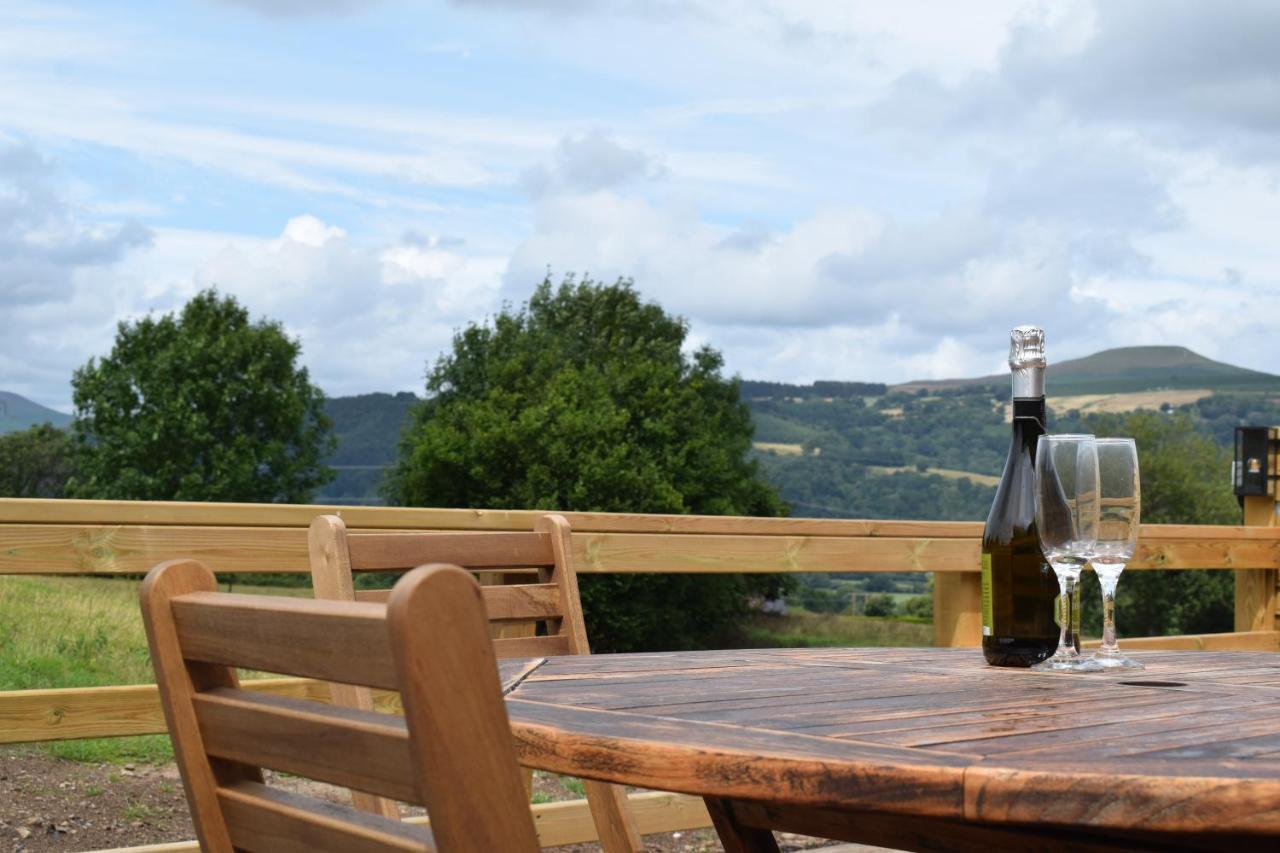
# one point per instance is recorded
(1108, 583)
(1066, 640)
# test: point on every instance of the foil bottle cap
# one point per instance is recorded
(1026, 347)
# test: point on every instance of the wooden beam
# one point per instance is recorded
(1255, 593)
(567, 822)
(83, 712)
(197, 514)
(132, 549)
(957, 609)
(1247, 641)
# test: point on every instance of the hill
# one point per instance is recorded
(367, 427)
(17, 413)
(1128, 369)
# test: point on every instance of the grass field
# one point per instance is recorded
(804, 629)
(81, 632)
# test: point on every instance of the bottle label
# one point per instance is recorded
(987, 621)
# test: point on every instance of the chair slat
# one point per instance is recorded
(386, 551)
(274, 821)
(522, 602)
(517, 603)
(531, 647)
(346, 643)
(309, 739)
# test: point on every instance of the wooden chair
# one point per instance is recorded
(552, 599)
(451, 752)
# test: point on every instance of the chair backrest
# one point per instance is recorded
(451, 752)
(551, 597)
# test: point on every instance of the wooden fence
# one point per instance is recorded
(110, 537)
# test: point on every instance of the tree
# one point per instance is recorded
(880, 604)
(35, 462)
(1185, 480)
(205, 406)
(584, 399)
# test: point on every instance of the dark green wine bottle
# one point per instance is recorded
(1018, 585)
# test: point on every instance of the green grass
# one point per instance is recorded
(137, 811)
(82, 632)
(573, 786)
(803, 629)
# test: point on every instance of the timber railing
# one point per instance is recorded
(42, 537)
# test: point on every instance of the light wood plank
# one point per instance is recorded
(86, 712)
(158, 513)
(114, 549)
(1255, 590)
(957, 609)
(566, 822)
(1247, 641)
(331, 579)
(309, 739)
(379, 552)
(344, 642)
(269, 820)
(178, 681)
(530, 647)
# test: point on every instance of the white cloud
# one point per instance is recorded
(825, 189)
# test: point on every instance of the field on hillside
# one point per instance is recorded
(948, 473)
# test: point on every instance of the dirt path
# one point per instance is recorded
(48, 804)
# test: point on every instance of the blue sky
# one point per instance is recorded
(871, 191)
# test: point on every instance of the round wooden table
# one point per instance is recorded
(923, 748)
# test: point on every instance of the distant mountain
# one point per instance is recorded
(17, 412)
(367, 427)
(1129, 369)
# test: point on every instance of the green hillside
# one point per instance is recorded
(367, 427)
(1129, 369)
(17, 413)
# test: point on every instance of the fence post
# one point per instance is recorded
(1256, 588)
(957, 609)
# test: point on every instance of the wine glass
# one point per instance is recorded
(1119, 508)
(1066, 498)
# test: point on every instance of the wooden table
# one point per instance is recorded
(926, 749)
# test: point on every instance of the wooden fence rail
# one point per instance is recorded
(120, 537)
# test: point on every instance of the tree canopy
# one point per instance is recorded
(585, 399)
(204, 405)
(35, 462)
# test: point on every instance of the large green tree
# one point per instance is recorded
(202, 405)
(36, 462)
(585, 399)
(1185, 480)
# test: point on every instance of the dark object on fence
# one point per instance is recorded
(1253, 467)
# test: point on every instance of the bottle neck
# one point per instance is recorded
(1028, 422)
(1028, 382)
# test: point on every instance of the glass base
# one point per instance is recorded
(1068, 663)
(1115, 660)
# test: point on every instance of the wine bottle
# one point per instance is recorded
(1018, 585)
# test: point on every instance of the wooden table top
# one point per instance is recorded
(1190, 745)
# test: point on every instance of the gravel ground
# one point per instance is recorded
(48, 804)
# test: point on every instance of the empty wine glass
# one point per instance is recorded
(1119, 509)
(1066, 498)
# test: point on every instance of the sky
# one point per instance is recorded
(872, 191)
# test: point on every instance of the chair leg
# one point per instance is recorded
(735, 836)
(614, 823)
(527, 773)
